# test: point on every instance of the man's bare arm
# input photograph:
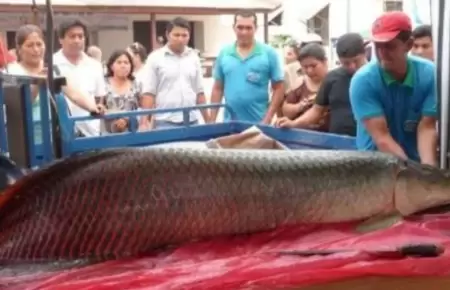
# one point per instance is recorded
(216, 98)
(310, 117)
(201, 100)
(378, 129)
(147, 102)
(427, 141)
(276, 103)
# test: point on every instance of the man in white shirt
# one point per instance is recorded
(86, 73)
(174, 78)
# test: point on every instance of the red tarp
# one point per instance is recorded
(244, 262)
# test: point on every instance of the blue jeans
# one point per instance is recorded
(169, 125)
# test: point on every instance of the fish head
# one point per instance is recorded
(420, 187)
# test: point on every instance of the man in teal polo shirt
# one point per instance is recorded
(242, 73)
(393, 99)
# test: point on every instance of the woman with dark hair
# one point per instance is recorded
(291, 53)
(122, 90)
(292, 69)
(313, 61)
(139, 55)
(30, 49)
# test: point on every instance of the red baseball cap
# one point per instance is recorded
(389, 25)
(5, 56)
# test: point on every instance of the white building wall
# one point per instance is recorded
(218, 31)
(361, 15)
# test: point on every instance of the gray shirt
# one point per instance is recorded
(115, 102)
(175, 80)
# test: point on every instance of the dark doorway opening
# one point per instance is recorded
(142, 33)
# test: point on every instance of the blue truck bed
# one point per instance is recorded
(70, 143)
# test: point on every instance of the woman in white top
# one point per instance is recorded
(30, 49)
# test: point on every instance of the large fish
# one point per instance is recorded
(123, 203)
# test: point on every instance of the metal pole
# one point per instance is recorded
(50, 78)
(49, 45)
(266, 27)
(441, 20)
(35, 13)
(348, 14)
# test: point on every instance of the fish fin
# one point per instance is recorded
(9, 172)
(418, 169)
(440, 209)
(378, 222)
(18, 269)
(61, 167)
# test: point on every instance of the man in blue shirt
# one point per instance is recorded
(242, 73)
(394, 99)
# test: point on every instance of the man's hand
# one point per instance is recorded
(266, 121)
(285, 122)
(144, 126)
(99, 109)
(43, 72)
(121, 125)
(427, 137)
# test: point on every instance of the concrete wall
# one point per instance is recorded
(212, 32)
(210, 35)
(361, 15)
(116, 31)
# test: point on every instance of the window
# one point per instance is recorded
(277, 20)
(319, 24)
(392, 5)
(11, 39)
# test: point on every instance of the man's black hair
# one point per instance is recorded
(178, 22)
(68, 24)
(313, 50)
(404, 36)
(303, 44)
(139, 50)
(350, 45)
(422, 31)
(246, 14)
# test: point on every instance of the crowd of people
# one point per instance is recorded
(387, 102)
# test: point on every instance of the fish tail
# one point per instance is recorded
(420, 187)
(9, 172)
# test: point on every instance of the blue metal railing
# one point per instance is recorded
(71, 143)
(296, 139)
(36, 153)
(39, 154)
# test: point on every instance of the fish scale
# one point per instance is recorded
(122, 203)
